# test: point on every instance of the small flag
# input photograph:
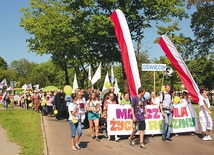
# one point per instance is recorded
(112, 75)
(106, 80)
(36, 86)
(29, 86)
(24, 87)
(3, 83)
(97, 75)
(75, 84)
(89, 73)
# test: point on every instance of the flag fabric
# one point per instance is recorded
(36, 86)
(106, 80)
(177, 61)
(89, 73)
(112, 75)
(127, 51)
(24, 86)
(29, 86)
(75, 84)
(117, 90)
(9, 88)
(97, 75)
(3, 83)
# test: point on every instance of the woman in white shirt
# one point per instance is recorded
(75, 123)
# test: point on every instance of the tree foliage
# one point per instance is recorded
(202, 23)
(3, 63)
(78, 32)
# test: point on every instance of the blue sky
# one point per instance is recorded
(12, 37)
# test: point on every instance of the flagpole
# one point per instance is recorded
(154, 83)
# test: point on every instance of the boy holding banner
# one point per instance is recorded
(139, 113)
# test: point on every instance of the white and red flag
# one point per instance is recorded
(3, 83)
(177, 61)
(127, 50)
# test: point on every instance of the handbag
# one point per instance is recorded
(74, 120)
(104, 114)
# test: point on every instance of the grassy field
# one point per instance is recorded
(24, 128)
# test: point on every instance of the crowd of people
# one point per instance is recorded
(88, 108)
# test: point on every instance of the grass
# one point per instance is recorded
(24, 128)
(197, 112)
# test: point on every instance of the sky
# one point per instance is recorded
(13, 44)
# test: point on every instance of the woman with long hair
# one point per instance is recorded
(75, 123)
(93, 108)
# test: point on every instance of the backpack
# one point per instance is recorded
(163, 94)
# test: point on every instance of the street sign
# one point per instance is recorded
(153, 67)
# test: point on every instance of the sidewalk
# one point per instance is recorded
(7, 147)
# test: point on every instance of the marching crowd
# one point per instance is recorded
(90, 108)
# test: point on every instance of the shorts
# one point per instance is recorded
(93, 116)
(75, 128)
(139, 125)
(206, 123)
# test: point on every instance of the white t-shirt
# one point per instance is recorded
(82, 105)
(203, 112)
(93, 104)
(72, 107)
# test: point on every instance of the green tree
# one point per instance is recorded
(78, 32)
(202, 24)
(3, 63)
(202, 70)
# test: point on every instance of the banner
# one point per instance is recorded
(127, 51)
(119, 120)
(177, 61)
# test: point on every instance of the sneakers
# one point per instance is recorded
(117, 139)
(131, 141)
(206, 138)
(142, 146)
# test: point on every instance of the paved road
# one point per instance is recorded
(58, 143)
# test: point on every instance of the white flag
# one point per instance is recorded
(29, 86)
(112, 75)
(106, 80)
(36, 86)
(116, 88)
(97, 75)
(89, 73)
(24, 87)
(3, 83)
(75, 84)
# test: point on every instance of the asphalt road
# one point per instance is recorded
(58, 142)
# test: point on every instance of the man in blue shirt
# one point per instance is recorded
(166, 109)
